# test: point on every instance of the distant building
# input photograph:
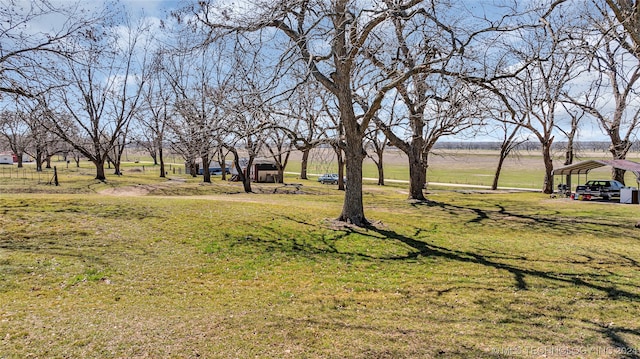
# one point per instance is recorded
(264, 171)
(6, 158)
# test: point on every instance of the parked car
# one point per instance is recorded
(606, 189)
(329, 178)
(215, 171)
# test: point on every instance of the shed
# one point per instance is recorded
(262, 170)
(265, 171)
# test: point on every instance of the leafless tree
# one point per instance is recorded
(626, 13)
(509, 141)
(155, 114)
(306, 107)
(221, 156)
(333, 40)
(249, 111)
(14, 127)
(197, 80)
(571, 134)
(612, 96)
(34, 34)
(102, 91)
(436, 107)
(534, 96)
(279, 146)
(376, 141)
(436, 102)
(44, 144)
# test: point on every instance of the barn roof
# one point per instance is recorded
(585, 166)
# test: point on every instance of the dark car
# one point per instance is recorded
(329, 178)
(214, 171)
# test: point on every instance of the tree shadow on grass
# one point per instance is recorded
(619, 345)
(552, 222)
(519, 274)
(322, 241)
(324, 245)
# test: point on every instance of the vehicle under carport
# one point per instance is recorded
(585, 167)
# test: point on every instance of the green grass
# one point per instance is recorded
(191, 270)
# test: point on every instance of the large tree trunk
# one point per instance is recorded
(380, 172)
(340, 159)
(280, 178)
(417, 177)
(246, 180)
(496, 176)
(619, 149)
(100, 174)
(39, 156)
(304, 163)
(206, 175)
(20, 155)
(547, 187)
(353, 207)
(161, 158)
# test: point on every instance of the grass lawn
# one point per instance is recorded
(146, 268)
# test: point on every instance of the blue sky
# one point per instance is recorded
(159, 9)
(155, 8)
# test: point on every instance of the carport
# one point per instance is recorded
(585, 167)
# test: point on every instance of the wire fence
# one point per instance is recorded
(29, 174)
(26, 174)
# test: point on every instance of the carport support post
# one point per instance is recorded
(569, 182)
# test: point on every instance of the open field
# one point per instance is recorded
(526, 170)
(141, 267)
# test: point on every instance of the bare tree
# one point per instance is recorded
(571, 133)
(306, 107)
(377, 142)
(612, 97)
(627, 14)
(248, 110)
(534, 96)
(436, 108)
(43, 144)
(14, 127)
(197, 79)
(509, 141)
(332, 40)
(102, 90)
(33, 35)
(279, 145)
(221, 155)
(154, 116)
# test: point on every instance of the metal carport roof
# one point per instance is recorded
(585, 166)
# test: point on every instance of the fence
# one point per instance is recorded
(26, 174)
(11, 174)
